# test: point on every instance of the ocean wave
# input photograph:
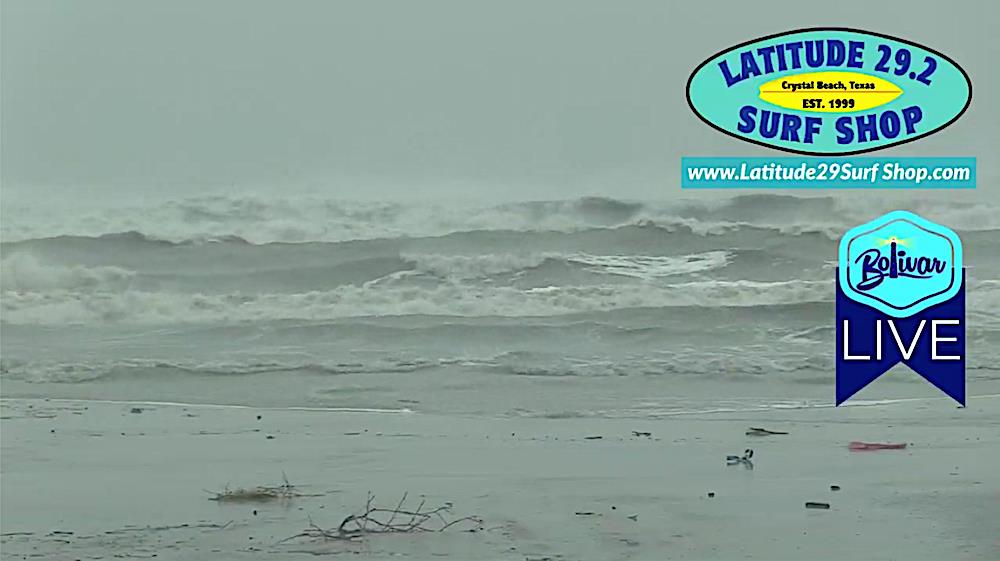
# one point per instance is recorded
(723, 362)
(799, 364)
(91, 370)
(720, 362)
(116, 302)
(449, 299)
(23, 271)
(260, 220)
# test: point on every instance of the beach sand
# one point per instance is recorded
(91, 480)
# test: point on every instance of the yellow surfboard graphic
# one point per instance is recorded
(829, 92)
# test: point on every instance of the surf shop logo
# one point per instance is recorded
(900, 298)
(829, 91)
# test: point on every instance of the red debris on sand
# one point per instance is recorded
(876, 446)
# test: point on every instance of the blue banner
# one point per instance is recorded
(931, 343)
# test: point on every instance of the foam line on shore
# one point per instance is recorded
(215, 405)
(763, 407)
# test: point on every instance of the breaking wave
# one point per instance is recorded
(303, 219)
(61, 307)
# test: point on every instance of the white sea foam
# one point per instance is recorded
(65, 306)
(475, 266)
(637, 266)
(650, 267)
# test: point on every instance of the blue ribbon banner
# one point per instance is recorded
(931, 343)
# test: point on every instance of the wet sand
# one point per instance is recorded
(94, 480)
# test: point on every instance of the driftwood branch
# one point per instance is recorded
(399, 519)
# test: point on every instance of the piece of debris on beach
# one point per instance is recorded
(822, 506)
(255, 494)
(250, 494)
(593, 437)
(856, 445)
(744, 459)
(757, 431)
(642, 433)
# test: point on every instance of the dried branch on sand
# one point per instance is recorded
(256, 494)
(401, 519)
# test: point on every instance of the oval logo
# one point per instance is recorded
(829, 91)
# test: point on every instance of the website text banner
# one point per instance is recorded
(828, 173)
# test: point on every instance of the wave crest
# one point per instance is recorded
(449, 299)
(24, 272)
(258, 220)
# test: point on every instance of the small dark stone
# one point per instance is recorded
(711, 494)
(53, 431)
(613, 507)
(255, 513)
(258, 417)
(136, 410)
(835, 487)
(270, 437)
(823, 506)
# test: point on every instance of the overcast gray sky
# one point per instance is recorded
(543, 98)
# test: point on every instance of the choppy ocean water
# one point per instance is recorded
(589, 306)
